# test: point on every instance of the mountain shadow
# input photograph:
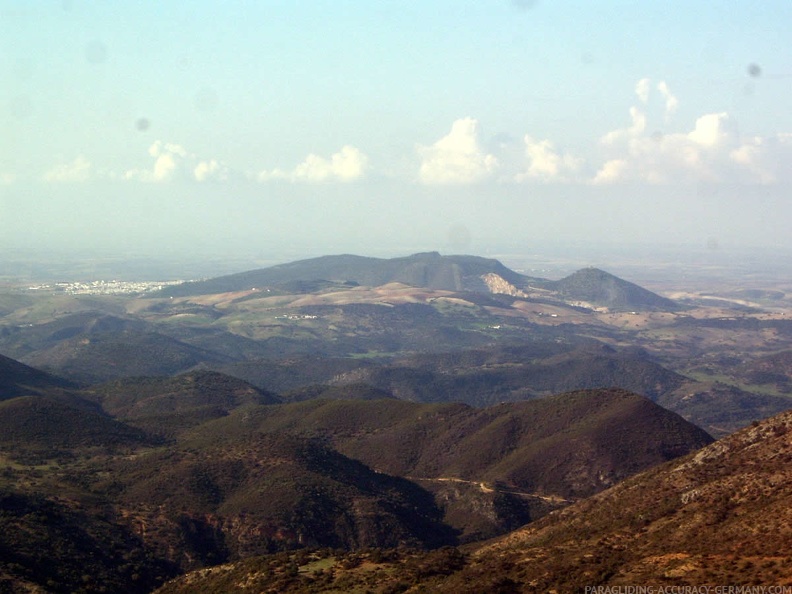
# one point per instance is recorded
(18, 379)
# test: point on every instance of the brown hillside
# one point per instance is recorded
(720, 516)
(717, 517)
(493, 468)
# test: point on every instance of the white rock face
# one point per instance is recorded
(497, 284)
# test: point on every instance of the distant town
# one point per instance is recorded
(104, 287)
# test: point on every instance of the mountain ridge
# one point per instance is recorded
(717, 516)
(429, 270)
(18, 379)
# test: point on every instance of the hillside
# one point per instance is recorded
(718, 516)
(18, 379)
(278, 491)
(487, 377)
(109, 355)
(55, 545)
(346, 474)
(775, 369)
(166, 405)
(602, 289)
(494, 466)
(49, 423)
(20, 340)
(430, 270)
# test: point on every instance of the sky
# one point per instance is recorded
(463, 126)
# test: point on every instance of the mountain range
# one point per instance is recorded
(426, 423)
(719, 516)
(431, 270)
(184, 472)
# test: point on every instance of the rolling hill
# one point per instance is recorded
(493, 466)
(343, 473)
(430, 270)
(167, 405)
(18, 379)
(132, 398)
(721, 515)
(603, 289)
(43, 424)
(109, 355)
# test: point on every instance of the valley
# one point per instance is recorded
(346, 412)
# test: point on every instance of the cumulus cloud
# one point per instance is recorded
(712, 151)
(167, 159)
(713, 129)
(172, 160)
(457, 158)
(671, 102)
(346, 165)
(210, 170)
(637, 128)
(767, 159)
(642, 88)
(78, 170)
(546, 164)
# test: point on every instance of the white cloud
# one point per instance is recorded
(637, 128)
(612, 171)
(78, 170)
(545, 163)
(713, 129)
(172, 160)
(671, 102)
(711, 152)
(456, 158)
(642, 88)
(210, 170)
(167, 158)
(766, 158)
(346, 165)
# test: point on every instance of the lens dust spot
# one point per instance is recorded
(459, 238)
(142, 124)
(95, 52)
(754, 70)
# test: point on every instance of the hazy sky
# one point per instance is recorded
(353, 126)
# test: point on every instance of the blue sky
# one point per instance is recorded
(366, 126)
